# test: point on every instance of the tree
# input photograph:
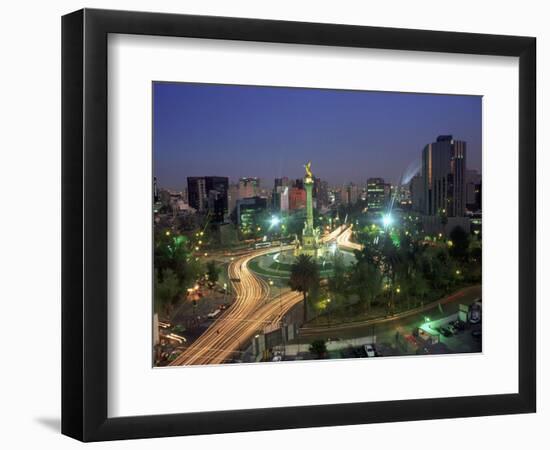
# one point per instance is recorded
(366, 281)
(460, 244)
(338, 281)
(172, 252)
(318, 348)
(304, 275)
(166, 292)
(213, 272)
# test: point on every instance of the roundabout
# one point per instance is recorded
(278, 264)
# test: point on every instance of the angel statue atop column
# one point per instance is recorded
(309, 174)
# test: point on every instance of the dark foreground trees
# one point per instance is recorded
(304, 276)
(318, 348)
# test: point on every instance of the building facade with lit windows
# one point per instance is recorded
(377, 192)
(296, 198)
(444, 177)
(249, 211)
(209, 194)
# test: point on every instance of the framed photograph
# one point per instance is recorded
(273, 224)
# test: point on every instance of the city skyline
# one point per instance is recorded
(271, 132)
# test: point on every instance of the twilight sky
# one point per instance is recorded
(236, 131)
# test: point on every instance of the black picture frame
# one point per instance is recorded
(84, 224)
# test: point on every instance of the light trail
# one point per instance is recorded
(241, 321)
(344, 240)
(249, 314)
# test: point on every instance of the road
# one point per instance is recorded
(344, 240)
(250, 313)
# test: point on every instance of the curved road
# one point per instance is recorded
(248, 315)
(250, 312)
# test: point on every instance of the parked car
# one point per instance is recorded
(369, 350)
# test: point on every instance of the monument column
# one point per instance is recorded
(308, 184)
(310, 235)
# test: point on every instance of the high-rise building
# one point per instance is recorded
(280, 198)
(443, 171)
(284, 181)
(196, 191)
(209, 194)
(473, 189)
(417, 193)
(232, 197)
(296, 198)
(377, 193)
(249, 187)
(351, 194)
(320, 192)
(249, 211)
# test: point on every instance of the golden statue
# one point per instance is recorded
(309, 174)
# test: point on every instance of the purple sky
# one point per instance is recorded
(268, 132)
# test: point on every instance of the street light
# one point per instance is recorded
(387, 220)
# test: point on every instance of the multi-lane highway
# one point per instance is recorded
(250, 313)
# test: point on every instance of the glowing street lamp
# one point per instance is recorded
(387, 220)
(275, 221)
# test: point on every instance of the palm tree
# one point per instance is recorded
(304, 275)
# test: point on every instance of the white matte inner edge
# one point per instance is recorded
(135, 388)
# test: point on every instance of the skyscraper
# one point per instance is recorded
(443, 172)
(209, 194)
(296, 198)
(320, 192)
(376, 193)
(473, 188)
(351, 193)
(249, 211)
(417, 193)
(249, 187)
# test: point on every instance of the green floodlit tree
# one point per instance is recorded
(304, 276)
(172, 252)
